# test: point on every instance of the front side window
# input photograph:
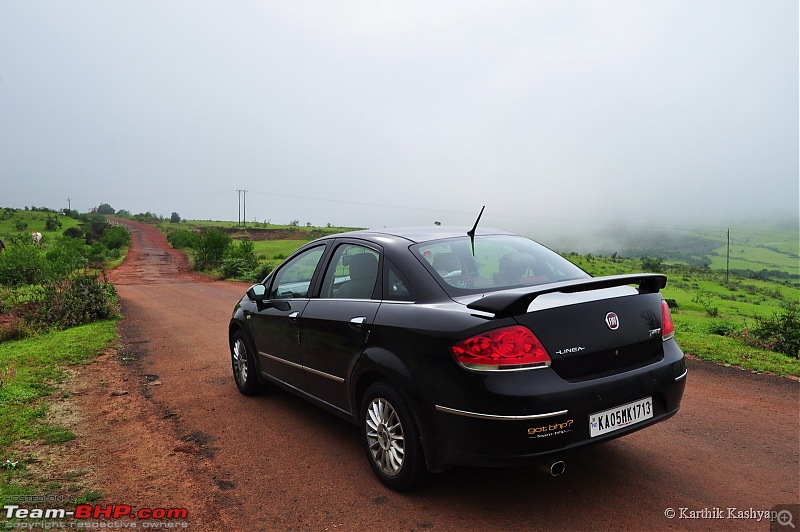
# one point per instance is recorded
(294, 278)
(498, 262)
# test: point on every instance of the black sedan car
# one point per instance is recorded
(454, 347)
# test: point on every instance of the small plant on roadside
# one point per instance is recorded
(211, 249)
(721, 327)
(75, 301)
(23, 263)
(8, 373)
(183, 239)
(779, 333)
(703, 299)
(650, 264)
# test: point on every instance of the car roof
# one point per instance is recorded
(425, 233)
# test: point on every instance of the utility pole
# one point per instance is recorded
(242, 201)
(244, 211)
(728, 259)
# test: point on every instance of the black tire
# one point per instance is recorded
(245, 372)
(391, 438)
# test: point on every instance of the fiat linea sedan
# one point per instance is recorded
(455, 347)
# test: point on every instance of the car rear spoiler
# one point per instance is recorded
(512, 302)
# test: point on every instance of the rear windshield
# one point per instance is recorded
(499, 262)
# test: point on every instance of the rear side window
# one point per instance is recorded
(294, 278)
(352, 273)
(498, 262)
(396, 287)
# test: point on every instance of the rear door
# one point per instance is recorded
(335, 326)
(276, 326)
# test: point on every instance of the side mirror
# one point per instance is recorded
(257, 292)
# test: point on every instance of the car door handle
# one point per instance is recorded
(293, 316)
(358, 322)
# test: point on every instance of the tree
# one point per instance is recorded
(175, 218)
(105, 208)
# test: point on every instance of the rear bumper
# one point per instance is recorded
(535, 414)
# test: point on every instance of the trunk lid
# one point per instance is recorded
(592, 328)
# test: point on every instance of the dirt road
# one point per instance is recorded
(183, 437)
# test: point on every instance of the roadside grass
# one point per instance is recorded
(30, 372)
(731, 352)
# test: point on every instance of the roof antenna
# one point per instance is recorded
(471, 232)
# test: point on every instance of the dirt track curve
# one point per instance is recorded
(183, 437)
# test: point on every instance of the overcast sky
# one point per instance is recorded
(374, 113)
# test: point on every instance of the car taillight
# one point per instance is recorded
(667, 325)
(514, 347)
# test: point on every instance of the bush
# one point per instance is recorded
(73, 232)
(240, 260)
(66, 256)
(76, 301)
(98, 253)
(723, 328)
(260, 272)
(780, 333)
(653, 265)
(23, 263)
(211, 248)
(116, 237)
(183, 239)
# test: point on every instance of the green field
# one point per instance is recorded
(12, 221)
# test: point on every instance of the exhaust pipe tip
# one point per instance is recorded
(555, 469)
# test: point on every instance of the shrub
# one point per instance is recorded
(116, 237)
(211, 248)
(723, 328)
(703, 299)
(73, 232)
(75, 301)
(52, 223)
(650, 264)
(240, 260)
(183, 239)
(23, 263)
(66, 256)
(260, 272)
(780, 333)
(98, 253)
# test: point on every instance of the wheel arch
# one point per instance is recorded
(378, 364)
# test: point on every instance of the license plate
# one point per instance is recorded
(620, 417)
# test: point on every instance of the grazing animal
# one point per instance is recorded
(37, 238)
